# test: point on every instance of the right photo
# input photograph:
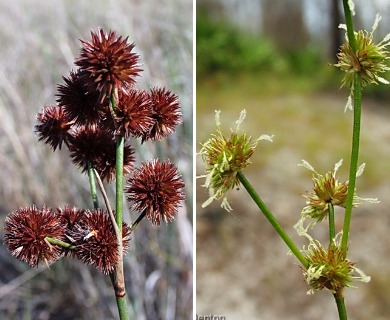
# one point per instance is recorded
(292, 165)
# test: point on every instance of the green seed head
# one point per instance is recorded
(369, 59)
(327, 189)
(328, 268)
(224, 157)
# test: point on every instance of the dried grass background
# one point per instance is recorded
(39, 40)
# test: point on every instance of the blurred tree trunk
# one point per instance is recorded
(283, 23)
(214, 9)
(335, 32)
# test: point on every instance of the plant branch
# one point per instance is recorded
(92, 185)
(136, 222)
(332, 228)
(340, 306)
(60, 243)
(270, 217)
(119, 181)
(108, 206)
(354, 160)
(349, 23)
(118, 277)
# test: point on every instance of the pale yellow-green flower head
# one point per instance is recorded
(224, 157)
(329, 269)
(328, 189)
(369, 58)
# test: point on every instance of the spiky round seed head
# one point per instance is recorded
(134, 113)
(80, 103)
(70, 216)
(94, 146)
(368, 59)
(96, 242)
(224, 158)
(157, 189)
(25, 235)
(108, 62)
(54, 126)
(328, 190)
(328, 268)
(166, 114)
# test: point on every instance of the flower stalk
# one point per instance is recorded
(118, 276)
(60, 243)
(354, 160)
(108, 205)
(92, 185)
(339, 298)
(272, 220)
(332, 228)
(349, 23)
(119, 181)
(137, 221)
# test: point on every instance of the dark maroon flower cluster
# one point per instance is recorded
(156, 189)
(26, 232)
(108, 62)
(97, 107)
(80, 104)
(98, 101)
(95, 240)
(166, 114)
(54, 127)
(91, 146)
(32, 236)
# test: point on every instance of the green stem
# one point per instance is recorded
(121, 303)
(120, 145)
(120, 142)
(60, 243)
(341, 306)
(92, 184)
(349, 23)
(357, 93)
(270, 217)
(332, 229)
(118, 277)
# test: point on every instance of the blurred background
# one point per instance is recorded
(274, 58)
(39, 40)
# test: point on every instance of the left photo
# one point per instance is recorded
(96, 129)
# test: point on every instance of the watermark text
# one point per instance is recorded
(210, 317)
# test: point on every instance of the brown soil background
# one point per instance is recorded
(243, 270)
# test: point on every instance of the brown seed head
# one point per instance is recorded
(94, 146)
(96, 241)
(108, 62)
(167, 114)
(25, 233)
(156, 188)
(53, 126)
(80, 103)
(134, 113)
(69, 218)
